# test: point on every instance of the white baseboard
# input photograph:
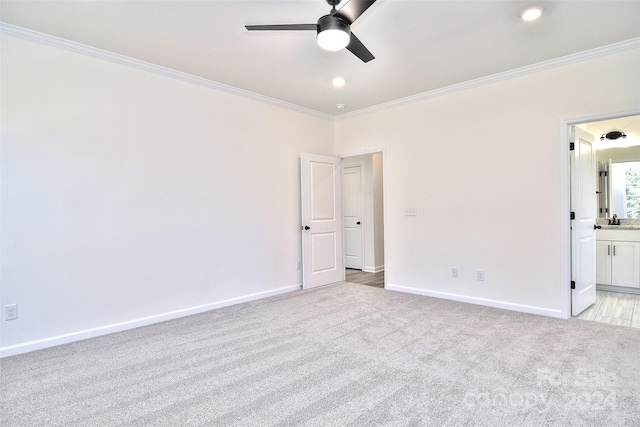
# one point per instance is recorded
(376, 269)
(13, 350)
(479, 301)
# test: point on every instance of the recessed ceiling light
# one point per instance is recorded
(340, 106)
(531, 14)
(338, 82)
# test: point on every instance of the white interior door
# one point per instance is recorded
(583, 235)
(322, 254)
(352, 216)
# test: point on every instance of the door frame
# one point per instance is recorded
(382, 152)
(565, 222)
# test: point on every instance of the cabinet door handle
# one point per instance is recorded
(609, 250)
(614, 250)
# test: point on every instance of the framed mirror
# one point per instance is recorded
(618, 186)
(618, 166)
(624, 199)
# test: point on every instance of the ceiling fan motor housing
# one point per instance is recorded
(332, 22)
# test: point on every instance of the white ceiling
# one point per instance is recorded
(419, 46)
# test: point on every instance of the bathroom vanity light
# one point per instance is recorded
(613, 135)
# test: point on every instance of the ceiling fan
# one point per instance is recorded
(333, 30)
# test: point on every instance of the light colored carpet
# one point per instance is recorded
(339, 355)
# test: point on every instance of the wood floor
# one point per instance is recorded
(615, 308)
(370, 279)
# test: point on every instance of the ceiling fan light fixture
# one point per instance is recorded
(333, 39)
(333, 33)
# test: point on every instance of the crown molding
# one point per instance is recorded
(517, 72)
(46, 39)
(49, 40)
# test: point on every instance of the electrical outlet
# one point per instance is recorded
(11, 312)
(480, 275)
(454, 272)
(298, 265)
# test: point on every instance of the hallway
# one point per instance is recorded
(362, 278)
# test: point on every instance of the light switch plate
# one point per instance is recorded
(410, 211)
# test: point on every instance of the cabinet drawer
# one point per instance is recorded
(622, 235)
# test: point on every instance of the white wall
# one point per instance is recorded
(484, 167)
(128, 197)
(619, 154)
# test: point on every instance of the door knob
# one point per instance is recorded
(306, 227)
(358, 222)
(597, 227)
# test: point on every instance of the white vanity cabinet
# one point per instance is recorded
(618, 258)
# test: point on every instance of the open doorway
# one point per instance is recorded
(617, 219)
(363, 218)
(360, 277)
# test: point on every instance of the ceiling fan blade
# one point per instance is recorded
(358, 49)
(289, 27)
(352, 10)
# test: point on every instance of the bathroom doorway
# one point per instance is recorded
(617, 145)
